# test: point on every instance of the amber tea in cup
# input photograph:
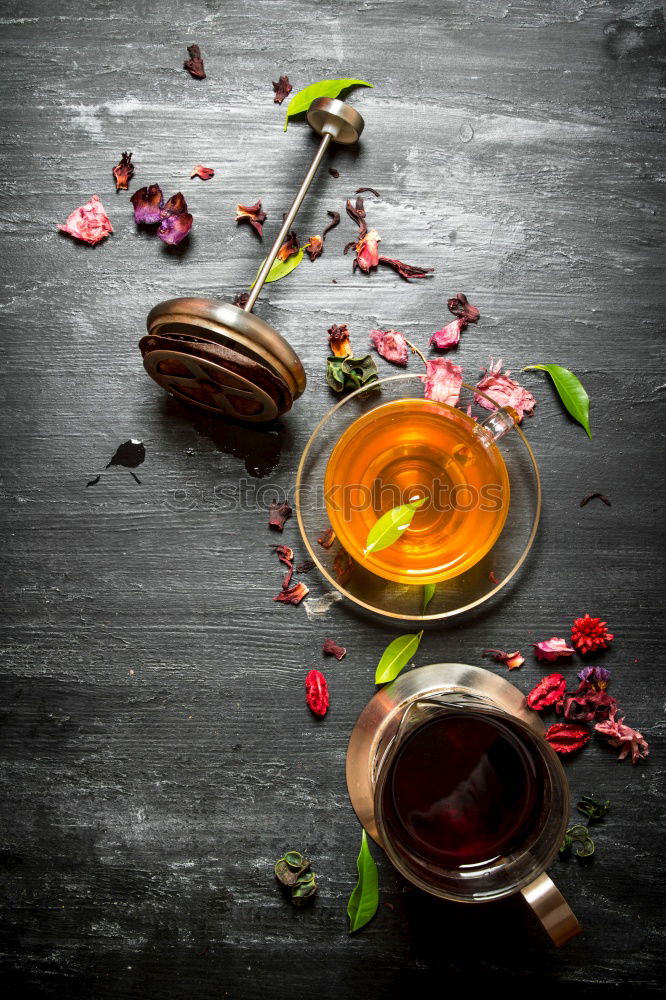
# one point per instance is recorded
(414, 448)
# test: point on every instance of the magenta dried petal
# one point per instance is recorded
(460, 306)
(88, 223)
(147, 203)
(504, 392)
(620, 735)
(174, 228)
(442, 381)
(449, 335)
(551, 650)
(331, 648)
(391, 345)
(597, 677)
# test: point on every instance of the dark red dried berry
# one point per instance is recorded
(331, 648)
(316, 693)
(549, 690)
(565, 738)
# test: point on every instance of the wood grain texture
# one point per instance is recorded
(157, 755)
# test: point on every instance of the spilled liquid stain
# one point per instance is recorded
(259, 448)
(129, 454)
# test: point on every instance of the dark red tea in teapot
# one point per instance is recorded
(463, 789)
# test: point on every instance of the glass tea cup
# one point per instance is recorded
(452, 777)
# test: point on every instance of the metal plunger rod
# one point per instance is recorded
(288, 220)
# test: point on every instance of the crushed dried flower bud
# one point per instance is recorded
(289, 247)
(405, 271)
(314, 247)
(335, 216)
(549, 690)
(241, 299)
(460, 307)
(512, 660)
(334, 172)
(316, 693)
(442, 381)
(205, 173)
(565, 738)
(390, 345)
(449, 335)
(253, 215)
(595, 496)
(338, 340)
(88, 223)
(331, 648)
(589, 634)
(326, 538)
(278, 514)
(367, 251)
(357, 213)
(293, 595)
(282, 89)
(194, 65)
(620, 735)
(504, 392)
(123, 172)
(593, 810)
(551, 650)
(306, 566)
(284, 553)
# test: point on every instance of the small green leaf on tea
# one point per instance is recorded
(364, 900)
(390, 526)
(281, 268)
(428, 594)
(323, 88)
(396, 656)
(571, 392)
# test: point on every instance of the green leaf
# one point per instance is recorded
(323, 88)
(390, 526)
(571, 392)
(281, 268)
(350, 373)
(364, 900)
(428, 594)
(396, 656)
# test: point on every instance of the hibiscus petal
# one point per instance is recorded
(390, 345)
(123, 172)
(459, 306)
(449, 335)
(205, 173)
(174, 228)
(504, 392)
(147, 203)
(253, 215)
(282, 89)
(442, 381)
(89, 223)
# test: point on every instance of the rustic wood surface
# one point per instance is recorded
(157, 755)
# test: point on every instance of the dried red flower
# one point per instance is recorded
(326, 538)
(620, 735)
(442, 381)
(123, 172)
(512, 660)
(338, 340)
(175, 220)
(460, 307)
(286, 556)
(589, 634)
(314, 247)
(282, 89)
(331, 648)
(278, 514)
(367, 251)
(241, 299)
(586, 703)
(205, 173)
(565, 738)
(194, 65)
(549, 690)
(89, 223)
(405, 271)
(289, 247)
(253, 215)
(504, 392)
(147, 203)
(449, 335)
(335, 217)
(293, 595)
(551, 650)
(316, 693)
(390, 345)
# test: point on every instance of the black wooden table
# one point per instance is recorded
(157, 755)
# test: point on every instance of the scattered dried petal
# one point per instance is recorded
(549, 690)
(551, 650)
(289, 247)
(390, 345)
(176, 221)
(371, 190)
(620, 735)
(460, 307)
(338, 340)
(123, 172)
(278, 514)
(491, 576)
(442, 381)
(449, 335)
(293, 595)
(597, 677)
(205, 173)
(335, 216)
(357, 213)
(314, 247)
(305, 566)
(586, 703)
(241, 299)
(405, 271)
(334, 172)
(286, 556)
(367, 251)
(342, 567)
(327, 538)
(331, 648)
(253, 215)
(147, 203)
(595, 496)
(89, 223)
(504, 392)
(512, 660)
(194, 65)
(316, 693)
(565, 738)
(282, 89)
(589, 634)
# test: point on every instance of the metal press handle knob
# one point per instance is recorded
(551, 908)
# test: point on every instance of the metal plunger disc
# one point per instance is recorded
(328, 116)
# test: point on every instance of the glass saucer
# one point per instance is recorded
(404, 601)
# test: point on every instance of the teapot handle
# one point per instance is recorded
(551, 908)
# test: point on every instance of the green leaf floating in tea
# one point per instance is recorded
(281, 268)
(323, 88)
(396, 656)
(571, 392)
(428, 594)
(364, 900)
(391, 525)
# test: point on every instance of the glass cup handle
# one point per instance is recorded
(500, 422)
(549, 905)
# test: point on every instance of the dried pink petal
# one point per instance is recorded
(553, 649)
(443, 381)
(620, 735)
(253, 215)
(390, 345)
(89, 223)
(331, 648)
(205, 173)
(512, 660)
(282, 89)
(147, 203)
(504, 392)
(367, 251)
(449, 335)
